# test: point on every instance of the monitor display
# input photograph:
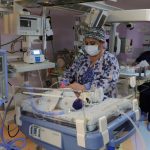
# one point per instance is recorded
(102, 21)
(36, 52)
(25, 23)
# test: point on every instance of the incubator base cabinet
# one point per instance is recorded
(53, 136)
(91, 128)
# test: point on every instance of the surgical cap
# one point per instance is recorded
(95, 33)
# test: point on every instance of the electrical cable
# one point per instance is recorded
(12, 52)
(10, 145)
(11, 130)
(9, 83)
(40, 79)
(53, 50)
(141, 138)
(57, 82)
(12, 136)
(11, 41)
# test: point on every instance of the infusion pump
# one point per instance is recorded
(34, 56)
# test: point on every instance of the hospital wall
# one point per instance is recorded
(139, 34)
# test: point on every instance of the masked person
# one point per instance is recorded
(96, 68)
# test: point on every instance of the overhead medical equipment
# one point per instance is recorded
(113, 17)
(29, 25)
(34, 56)
(32, 27)
(126, 16)
(117, 45)
(96, 18)
(126, 45)
(92, 127)
(21, 24)
(3, 77)
(136, 15)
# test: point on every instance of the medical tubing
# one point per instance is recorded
(142, 140)
(83, 111)
(9, 145)
(11, 41)
(33, 88)
(40, 79)
(43, 89)
(55, 83)
(41, 94)
(50, 113)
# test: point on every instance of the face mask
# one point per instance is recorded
(91, 50)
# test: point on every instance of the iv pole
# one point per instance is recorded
(44, 30)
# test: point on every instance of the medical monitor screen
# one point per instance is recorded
(37, 52)
(25, 23)
(102, 21)
(29, 25)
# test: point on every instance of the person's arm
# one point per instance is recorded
(110, 77)
(70, 74)
(77, 87)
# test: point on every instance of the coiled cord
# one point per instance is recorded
(10, 145)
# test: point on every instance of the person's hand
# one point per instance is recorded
(64, 83)
(76, 86)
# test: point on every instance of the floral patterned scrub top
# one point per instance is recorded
(104, 73)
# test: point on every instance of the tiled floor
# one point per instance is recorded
(29, 146)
